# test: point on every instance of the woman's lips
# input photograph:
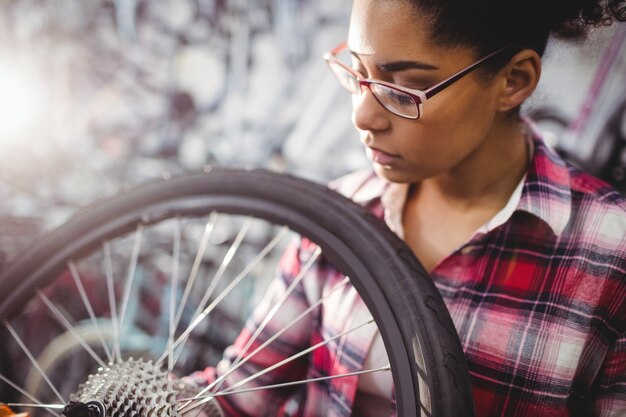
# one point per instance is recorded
(380, 157)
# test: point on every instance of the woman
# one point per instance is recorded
(528, 254)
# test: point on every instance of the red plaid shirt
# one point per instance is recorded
(539, 303)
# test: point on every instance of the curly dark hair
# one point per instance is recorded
(487, 25)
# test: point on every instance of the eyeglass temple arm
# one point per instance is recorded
(333, 52)
(330, 55)
(443, 84)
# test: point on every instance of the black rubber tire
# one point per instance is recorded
(399, 292)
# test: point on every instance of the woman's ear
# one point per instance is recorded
(520, 78)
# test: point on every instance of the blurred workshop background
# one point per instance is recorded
(97, 96)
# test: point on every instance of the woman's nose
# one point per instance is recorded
(367, 112)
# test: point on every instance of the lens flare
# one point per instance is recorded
(20, 103)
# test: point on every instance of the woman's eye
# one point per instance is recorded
(400, 98)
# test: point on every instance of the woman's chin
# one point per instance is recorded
(393, 174)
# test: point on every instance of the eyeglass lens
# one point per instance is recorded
(346, 79)
(394, 100)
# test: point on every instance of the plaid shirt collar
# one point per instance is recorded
(546, 192)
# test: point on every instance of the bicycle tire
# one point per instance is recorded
(405, 303)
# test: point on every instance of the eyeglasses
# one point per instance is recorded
(401, 101)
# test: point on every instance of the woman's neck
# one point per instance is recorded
(488, 176)
(442, 213)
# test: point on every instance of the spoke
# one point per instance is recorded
(68, 326)
(173, 289)
(52, 406)
(385, 368)
(271, 339)
(297, 355)
(279, 333)
(33, 360)
(224, 293)
(303, 271)
(92, 315)
(108, 266)
(24, 392)
(279, 364)
(131, 275)
(208, 230)
(230, 254)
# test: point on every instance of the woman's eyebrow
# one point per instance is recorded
(405, 65)
(396, 66)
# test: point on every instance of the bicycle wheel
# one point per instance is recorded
(425, 356)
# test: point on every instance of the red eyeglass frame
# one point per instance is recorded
(418, 96)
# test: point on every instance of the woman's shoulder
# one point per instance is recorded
(597, 229)
(592, 189)
(588, 204)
